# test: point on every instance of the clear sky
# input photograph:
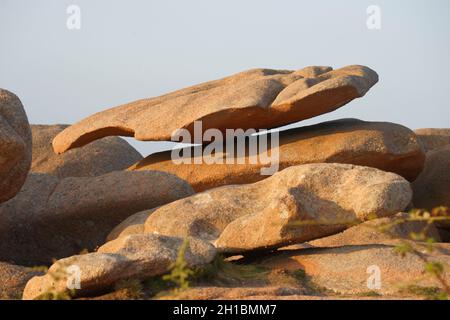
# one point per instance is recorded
(128, 50)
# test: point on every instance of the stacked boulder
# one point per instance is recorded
(386, 146)
(432, 187)
(98, 158)
(15, 145)
(255, 99)
(132, 214)
(64, 204)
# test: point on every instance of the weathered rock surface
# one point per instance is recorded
(15, 145)
(329, 268)
(55, 218)
(386, 146)
(432, 139)
(298, 204)
(310, 274)
(369, 232)
(98, 158)
(379, 231)
(259, 99)
(134, 224)
(131, 257)
(432, 187)
(13, 280)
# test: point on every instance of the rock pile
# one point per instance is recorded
(133, 216)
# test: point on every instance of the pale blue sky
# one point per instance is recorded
(127, 50)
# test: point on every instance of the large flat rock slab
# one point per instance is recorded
(386, 146)
(259, 99)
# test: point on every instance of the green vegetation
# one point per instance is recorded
(369, 294)
(180, 272)
(429, 293)
(423, 243)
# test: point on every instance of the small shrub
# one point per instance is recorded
(180, 272)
